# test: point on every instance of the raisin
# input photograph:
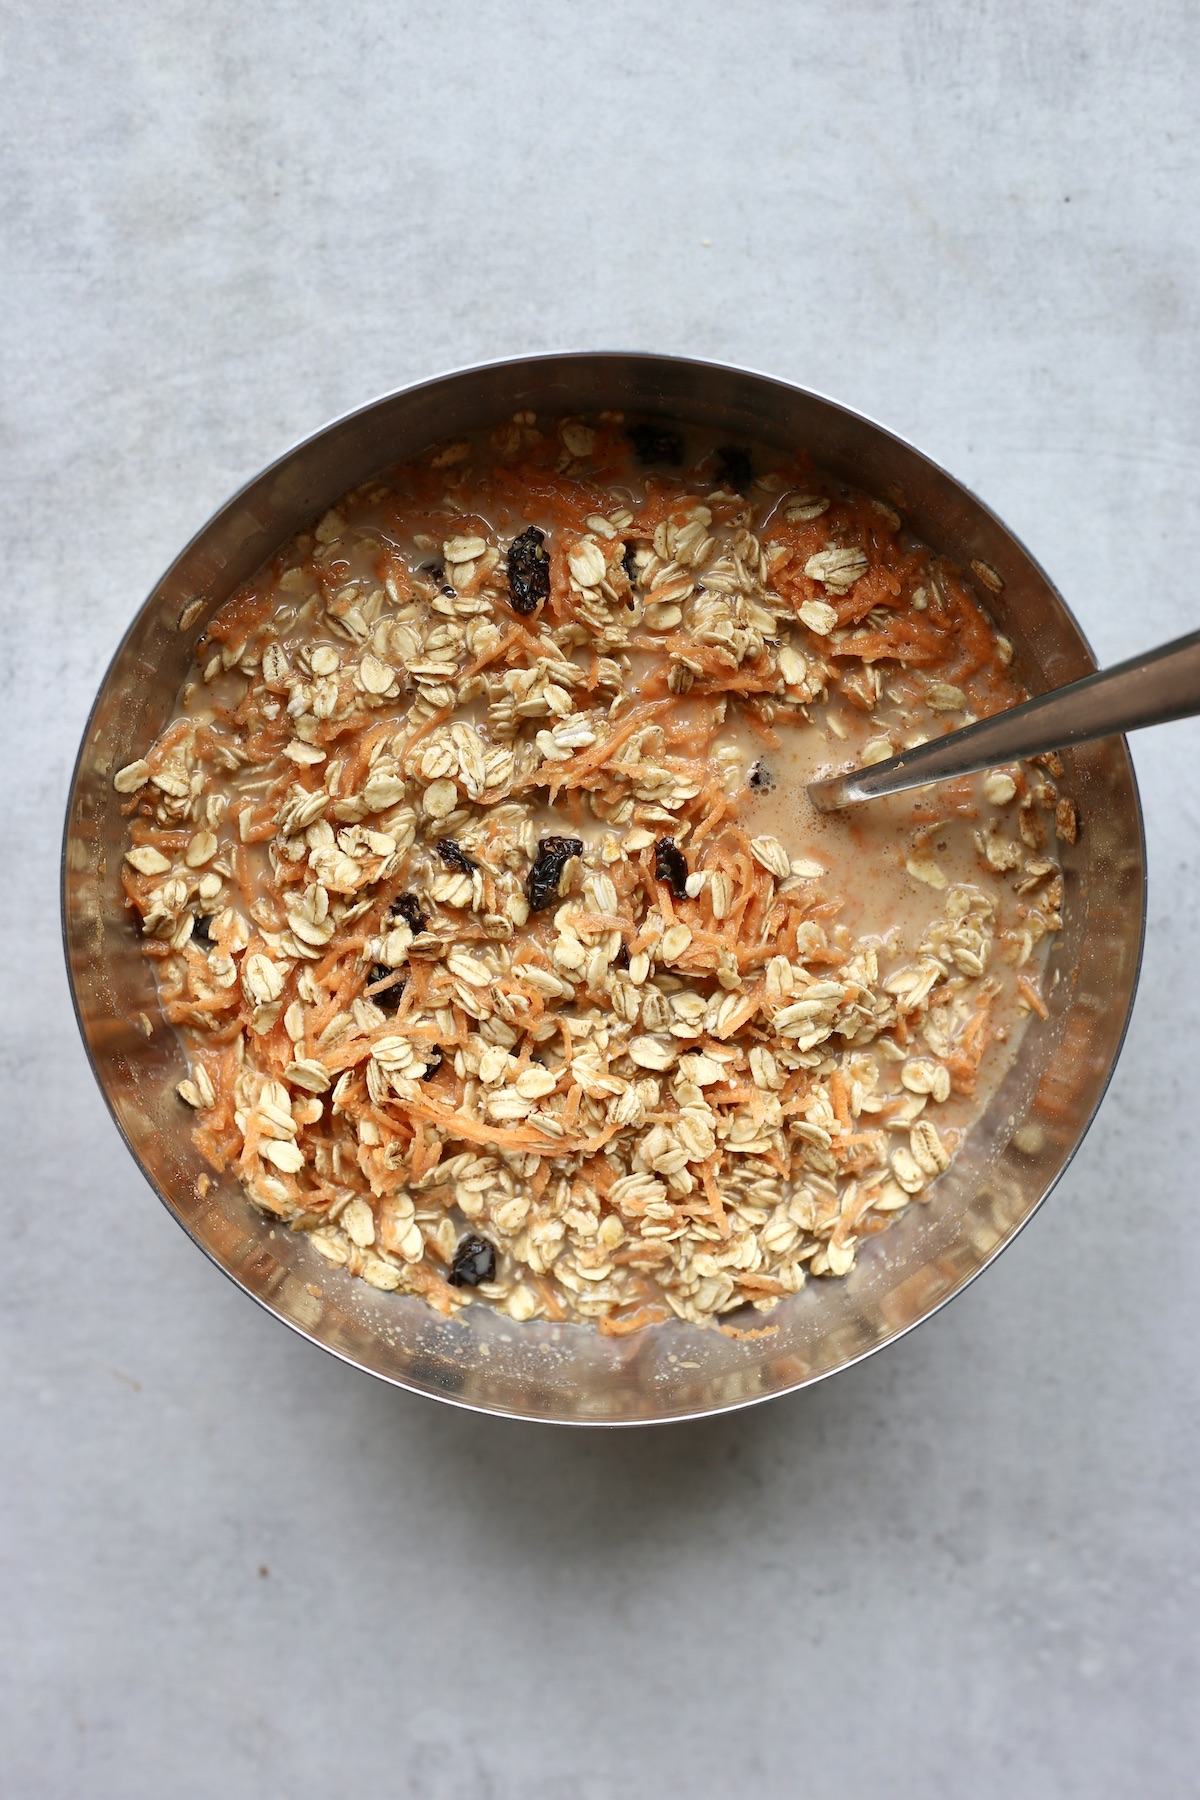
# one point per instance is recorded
(528, 571)
(474, 1261)
(761, 776)
(734, 468)
(201, 932)
(621, 959)
(553, 854)
(389, 999)
(629, 563)
(670, 865)
(654, 444)
(408, 908)
(435, 1059)
(455, 857)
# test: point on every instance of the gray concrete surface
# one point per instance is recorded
(232, 1567)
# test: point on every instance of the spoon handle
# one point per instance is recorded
(1150, 689)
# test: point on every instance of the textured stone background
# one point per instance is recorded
(231, 1566)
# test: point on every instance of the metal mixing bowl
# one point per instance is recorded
(569, 1373)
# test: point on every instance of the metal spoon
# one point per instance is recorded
(1150, 689)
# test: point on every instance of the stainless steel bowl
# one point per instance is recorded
(569, 1374)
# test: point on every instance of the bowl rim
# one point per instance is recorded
(276, 465)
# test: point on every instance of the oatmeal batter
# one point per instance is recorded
(510, 961)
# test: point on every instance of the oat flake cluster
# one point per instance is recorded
(483, 983)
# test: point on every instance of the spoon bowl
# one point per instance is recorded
(1150, 689)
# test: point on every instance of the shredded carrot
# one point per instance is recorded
(473, 1131)
(516, 637)
(760, 1284)
(549, 1298)
(615, 1326)
(708, 1174)
(556, 775)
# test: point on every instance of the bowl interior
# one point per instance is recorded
(569, 1373)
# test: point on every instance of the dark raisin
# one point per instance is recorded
(389, 998)
(528, 571)
(670, 865)
(734, 468)
(408, 908)
(434, 1061)
(474, 1261)
(201, 932)
(629, 563)
(621, 959)
(455, 857)
(655, 444)
(553, 854)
